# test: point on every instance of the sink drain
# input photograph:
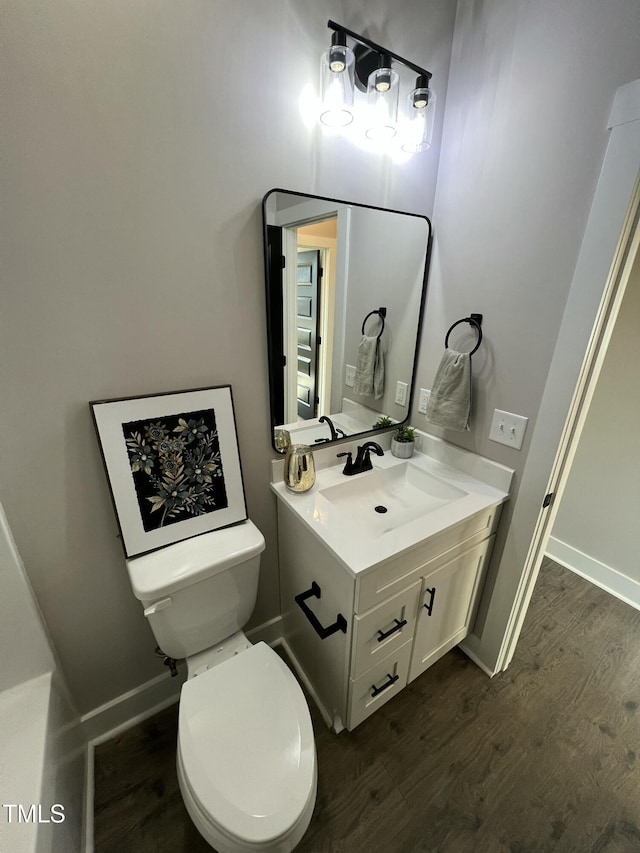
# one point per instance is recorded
(380, 508)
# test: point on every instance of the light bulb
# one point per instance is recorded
(336, 61)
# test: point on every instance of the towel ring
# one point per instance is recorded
(382, 313)
(473, 320)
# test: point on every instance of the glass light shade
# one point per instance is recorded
(382, 99)
(336, 78)
(418, 125)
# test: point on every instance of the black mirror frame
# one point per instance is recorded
(275, 343)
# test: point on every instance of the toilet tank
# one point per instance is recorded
(199, 591)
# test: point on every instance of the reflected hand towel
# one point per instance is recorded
(369, 376)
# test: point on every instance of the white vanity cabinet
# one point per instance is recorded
(357, 638)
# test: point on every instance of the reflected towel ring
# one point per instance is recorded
(473, 320)
(382, 313)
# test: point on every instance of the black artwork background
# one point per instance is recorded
(176, 467)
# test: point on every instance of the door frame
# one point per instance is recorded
(327, 247)
(610, 245)
(289, 220)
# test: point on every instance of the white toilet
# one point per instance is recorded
(246, 754)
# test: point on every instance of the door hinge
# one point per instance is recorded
(283, 261)
(548, 500)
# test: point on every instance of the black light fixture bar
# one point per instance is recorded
(379, 49)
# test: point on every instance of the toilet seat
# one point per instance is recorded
(246, 752)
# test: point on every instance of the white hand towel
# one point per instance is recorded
(369, 376)
(449, 404)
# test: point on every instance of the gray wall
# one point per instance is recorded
(386, 268)
(598, 516)
(139, 141)
(530, 91)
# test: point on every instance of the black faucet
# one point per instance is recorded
(335, 433)
(363, 459)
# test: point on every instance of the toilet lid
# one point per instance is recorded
(247, 746)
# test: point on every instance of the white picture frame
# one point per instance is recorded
(173, 465)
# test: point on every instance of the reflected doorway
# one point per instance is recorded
(308, 392)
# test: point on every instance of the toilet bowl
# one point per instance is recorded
(246, 758)
(246, 755)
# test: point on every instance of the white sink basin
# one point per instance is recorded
(423, 496)
(381, 501)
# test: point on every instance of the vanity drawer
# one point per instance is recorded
(378, 633)
(394, 575)
(378, 685)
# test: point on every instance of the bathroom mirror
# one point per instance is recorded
(345, 289)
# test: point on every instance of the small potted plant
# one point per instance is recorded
(383, 421)
(403, 442)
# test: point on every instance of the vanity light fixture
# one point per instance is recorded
(360, 92)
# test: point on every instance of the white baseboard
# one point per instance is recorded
(269, 632)
(464, 647)
(130, 708)
(606, 577)
(333, 724)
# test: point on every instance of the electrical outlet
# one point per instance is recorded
(349, 375)
(401, 393)
(507, 428)
(423, 401)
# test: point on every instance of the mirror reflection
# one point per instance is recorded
(345, 290)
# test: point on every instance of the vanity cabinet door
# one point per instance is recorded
(378, 685)
(382, 630)
(447, 606)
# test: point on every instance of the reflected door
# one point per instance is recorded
(308, 280)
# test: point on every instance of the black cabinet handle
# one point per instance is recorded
(339, 625)
(392, 680)
(432, 594)
(382, 635)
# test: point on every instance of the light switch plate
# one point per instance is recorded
(423, 400)
(507, 428)
(349, 375)
(401, 393)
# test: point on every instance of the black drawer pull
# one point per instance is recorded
(392, 680)
(432, 594)
(382, 635)
(339, 625)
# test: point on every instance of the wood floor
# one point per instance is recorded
(544, 757)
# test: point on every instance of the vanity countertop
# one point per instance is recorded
(360, 539)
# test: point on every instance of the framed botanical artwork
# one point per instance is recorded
(173, 465)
